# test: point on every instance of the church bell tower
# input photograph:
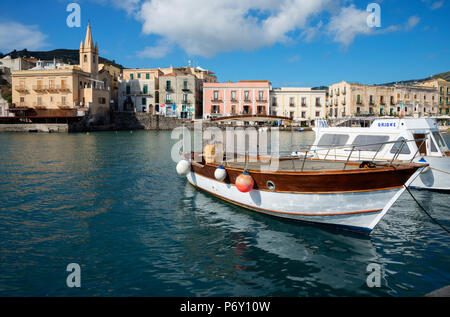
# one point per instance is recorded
(89, 53)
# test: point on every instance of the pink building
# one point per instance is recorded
(243, 97)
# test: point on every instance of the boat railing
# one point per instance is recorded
(362, 148)
(310, 152)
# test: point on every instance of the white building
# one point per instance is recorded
(138, 95)
(298, 103)
(16, 63)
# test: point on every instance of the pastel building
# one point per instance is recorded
(443, 89)
(298, 103)
(138, 90)
(243, 97)
(352, 99)
(61, 90)
(171, 91)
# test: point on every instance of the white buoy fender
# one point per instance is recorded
(220, 173)
(183, 167)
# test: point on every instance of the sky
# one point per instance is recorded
(304, 43)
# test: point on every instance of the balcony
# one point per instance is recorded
(169, 102)
(303, 104)
(318, 104)
(53, 88)
(66, 89)
(216, 100)
(185, 89)
(21, 88)
(261, 100)
(291, 105)
(344, 92)
(40, 88)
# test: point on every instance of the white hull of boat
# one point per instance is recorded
(436, 176)
(354, 210)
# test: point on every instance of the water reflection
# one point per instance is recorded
(311, 257)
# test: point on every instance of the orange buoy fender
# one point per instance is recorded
(244, 182)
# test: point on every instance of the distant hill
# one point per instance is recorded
(67, 56)
(445, 76)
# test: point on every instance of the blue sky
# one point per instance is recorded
(289, 42)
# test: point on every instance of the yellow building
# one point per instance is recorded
(62, 90)
(443, 88)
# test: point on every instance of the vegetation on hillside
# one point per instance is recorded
(67, 56)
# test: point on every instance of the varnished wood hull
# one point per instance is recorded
(353, 199)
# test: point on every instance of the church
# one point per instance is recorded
(59, 90)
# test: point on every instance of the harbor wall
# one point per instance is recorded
(35, 127)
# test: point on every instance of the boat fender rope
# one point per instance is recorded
(421, 207)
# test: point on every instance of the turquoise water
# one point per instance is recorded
(114, 204)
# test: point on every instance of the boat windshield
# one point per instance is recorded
(440, 141)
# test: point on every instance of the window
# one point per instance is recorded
(131, 76)
(233, 109)
(333, 139)
(371, 99)
(358, 110)
(318, 101)
(39, 101)
(317, 114)
(185, 98)
(216, 95)
(128, 89)
(291, 101)
(370, 142)
(139, 75)
(63, 100)
(145, 89)
(168, 98)
(215, 109)
(147, 76)
(144, 101)
(168, 85)
(358, 99)
(396, 147)
(85, 58)
(440, 141)
(303, 114)
(246, 95)
(185, 85)
(303, 101)
(261, 95)
(233, 95)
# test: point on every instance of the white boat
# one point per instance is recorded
(388, 140)
(343, 194)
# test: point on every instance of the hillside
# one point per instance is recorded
(67, 56)
(445, 76)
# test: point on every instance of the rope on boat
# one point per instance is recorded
(421, 207)
(439, 170)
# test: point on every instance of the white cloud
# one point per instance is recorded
(206, 27)
(437, 5)
(161, 49)
(348, 24)
(412, 23)
(14, 35)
